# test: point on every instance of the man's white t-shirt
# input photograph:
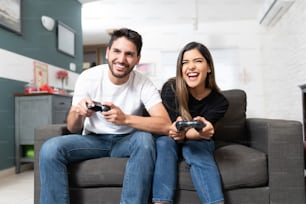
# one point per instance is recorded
(131, 97)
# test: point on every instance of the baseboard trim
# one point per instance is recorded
(7, 172)
(11, 171)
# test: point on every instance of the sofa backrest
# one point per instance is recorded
(232, 127)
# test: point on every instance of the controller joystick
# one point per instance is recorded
(97, 107)
(196, 124)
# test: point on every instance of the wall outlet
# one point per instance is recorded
(72, 66)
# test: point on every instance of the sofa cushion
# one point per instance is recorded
(97, 172)
(232, 127)
(241, 166)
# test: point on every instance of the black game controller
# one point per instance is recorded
(196, 124)
(98, 107)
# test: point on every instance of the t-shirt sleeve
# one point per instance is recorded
(82, 86)
(169, 99)
(78, 90)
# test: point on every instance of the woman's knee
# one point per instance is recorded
(164, 141)
(198, 154)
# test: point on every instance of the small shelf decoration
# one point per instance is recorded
(62, 75)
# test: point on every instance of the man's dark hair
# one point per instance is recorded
(131, 35)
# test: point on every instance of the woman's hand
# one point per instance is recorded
(206, 132)
(175, 134)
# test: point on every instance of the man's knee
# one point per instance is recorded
(50, 149)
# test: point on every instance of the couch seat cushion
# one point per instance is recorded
(97, 172)
(242, 166)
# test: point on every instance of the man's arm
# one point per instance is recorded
(158, 122)
(77, 115)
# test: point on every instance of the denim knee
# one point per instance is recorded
(144, 139)
(50, 150)
(166, 145)
(144, 142)
(164, 141)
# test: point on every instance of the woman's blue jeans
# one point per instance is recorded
(58, 152)
(199, 155)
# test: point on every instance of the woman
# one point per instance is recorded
(192, 95)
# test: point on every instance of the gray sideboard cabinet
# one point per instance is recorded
(34, 110)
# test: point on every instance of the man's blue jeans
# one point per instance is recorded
(58, 152)
(199, 155)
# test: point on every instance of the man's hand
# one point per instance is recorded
(81, 108)
(77, 115)
(115, 114)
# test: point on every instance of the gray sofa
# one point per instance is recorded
(260, 160)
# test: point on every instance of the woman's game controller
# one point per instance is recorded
(97, 107)
(196, 124)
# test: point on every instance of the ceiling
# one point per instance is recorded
(102, 16)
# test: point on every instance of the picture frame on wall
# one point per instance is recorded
(66, 39)
(40, 74)
(10, 15)
(147, 69)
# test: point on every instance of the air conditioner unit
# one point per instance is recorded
(274, 10)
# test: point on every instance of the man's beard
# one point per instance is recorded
(121, 75)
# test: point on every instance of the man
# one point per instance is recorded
(121, 131)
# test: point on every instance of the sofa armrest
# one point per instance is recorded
(48, 131)
(41, 134)
(282, 141)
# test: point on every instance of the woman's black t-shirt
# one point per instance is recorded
(212, 107)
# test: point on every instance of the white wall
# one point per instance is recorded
(271, 60)
(21, 68)
(240, 69)
(284, 64)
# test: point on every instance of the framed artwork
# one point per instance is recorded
(40, 74)
(65, 39)
(10, 15)
(147, 69)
